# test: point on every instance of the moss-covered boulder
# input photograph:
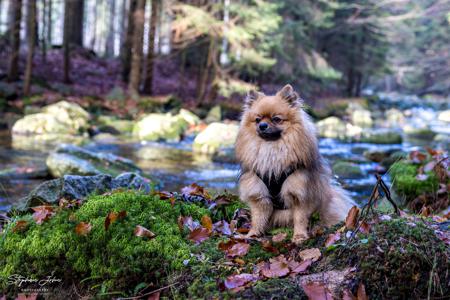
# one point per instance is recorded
(214, 114)
(361, 117)
(347, 170)
(379, 137)
(70, 159)
(332, 127)
(216, 136)
(154, 127)
(190, 118)
(118, 125)
(59, 119)
(422, 133)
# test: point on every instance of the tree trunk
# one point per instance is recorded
(76, 21)
(94, 30)
(31, 38)
(28, 27)
(126, 49)
(136, 59)
(10, 21)
(66, 41)
(13, 71)
(44, 27)
(123, 26)
(109, 47)
(204, 76)
(49, 24)
(148, 86)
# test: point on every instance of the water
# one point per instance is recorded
(175, 166)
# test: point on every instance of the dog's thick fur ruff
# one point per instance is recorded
(294, 156)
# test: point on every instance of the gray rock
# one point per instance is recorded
(79, 187)
(347, 170)
(154, 127)
(378, 155)
(73, 160)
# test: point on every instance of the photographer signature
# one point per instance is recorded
(19, 280)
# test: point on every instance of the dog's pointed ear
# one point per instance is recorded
(288, 94)
(252, 96)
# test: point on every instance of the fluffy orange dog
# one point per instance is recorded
(284, 179)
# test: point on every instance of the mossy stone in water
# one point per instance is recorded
(345, 169)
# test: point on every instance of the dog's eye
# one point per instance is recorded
(257, 120)
(276, 119)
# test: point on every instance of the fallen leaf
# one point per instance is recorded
(42, 213)
(312, 254)
(207, 222)
(364, 227)
(316, 291)
(239, 261)
(188, 223)
(352, 217)
(199, 235)
(429, 166)
(223, 227)
(20, 226)
(141, 231)
(267, 245)
(279, 237)
(154, 296)
(238, 280)
(224, 246)
(195, 190)
(332, 238)
(425, 212)
(278, 267)
(83, 228)
(361, 293)
(298, 268)
(238, 249)
(421, 177)
(113, 216)
(163, 195)
(417, 156)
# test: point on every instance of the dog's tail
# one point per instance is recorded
(337, 208)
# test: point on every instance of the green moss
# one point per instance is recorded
(396, 261)
(114, 259)
(405, 183)
(347, 170)
(277, 288)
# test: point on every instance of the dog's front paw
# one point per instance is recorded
(298, 239)
(253, 233)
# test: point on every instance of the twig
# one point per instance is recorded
(149, 293)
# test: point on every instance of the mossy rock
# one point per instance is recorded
(348, 170)
(379, 137)
(105, 260)
(395, 261)
(121, 126)
(154, 127)
(405, 183)
(215, 137)
(423, 133)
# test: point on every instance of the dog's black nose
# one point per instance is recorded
(263, 126)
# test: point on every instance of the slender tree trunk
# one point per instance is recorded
(49, 24)
(66, 41)
(94, 30)
(123, 26)
(31, 38)
(205, 73)
(44, 27)
(10, 21)
(13, 71)
(126, 57)
(76, 21)
(109, 47)
(148, 86)
(136, 59)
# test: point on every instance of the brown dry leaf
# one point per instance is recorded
(447, 215)
(163, 195)
(224, 246)
(223, 227)
(187, 222)
(42, 213)
(83, 228)
(429, 166)
(238, 249)
(312, 253)
(332, 238)
(267, 245)
(425, 212)
(20, 226)
(316, 291)
(141, 231)
(298, 268)
(352, 217)
(278, 267)
(207, 222)
(417, 156)
(195, 190)
(239, 261)
(110, 218)
(361, 293)
(279, 237)
(365, 227)
(154, 296)
(235, 281)
(199, 235)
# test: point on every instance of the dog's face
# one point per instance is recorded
(269, 117)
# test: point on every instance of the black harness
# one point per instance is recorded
(274, 185)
